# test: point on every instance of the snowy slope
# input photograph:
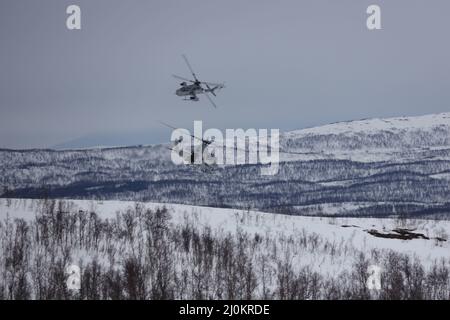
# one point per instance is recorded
(371, 126)
(348, 233)
(376, 165)
(370, 140)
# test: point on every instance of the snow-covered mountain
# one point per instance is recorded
(376, 125)
(364, 167)
(404, 138)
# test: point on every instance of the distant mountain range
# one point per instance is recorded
(112, 139)
(374, 167)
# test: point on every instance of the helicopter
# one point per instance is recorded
(191, 91)
(204, 154)
(195, 152)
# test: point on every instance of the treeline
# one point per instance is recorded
(142, 254)
(92, 175)
(408, 193)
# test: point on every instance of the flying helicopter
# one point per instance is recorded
(191, 91)
(195, 153)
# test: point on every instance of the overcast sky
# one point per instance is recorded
(286, 64)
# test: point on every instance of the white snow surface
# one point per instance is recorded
(426, 122)
(348, 234)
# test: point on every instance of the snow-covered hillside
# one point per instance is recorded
(374, 167)
(370, 140)
(375, 125)
(349, 231)
(329, 250)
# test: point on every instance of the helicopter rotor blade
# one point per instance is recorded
(219, 85)
(210, 99)
(167, 125)
(172, 127)
(182, 78)
(210, 90)
(190, 67)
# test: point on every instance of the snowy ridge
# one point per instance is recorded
(370, 126)
(374, 140)
(374, 165)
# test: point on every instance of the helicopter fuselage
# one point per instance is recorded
(189, 90)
